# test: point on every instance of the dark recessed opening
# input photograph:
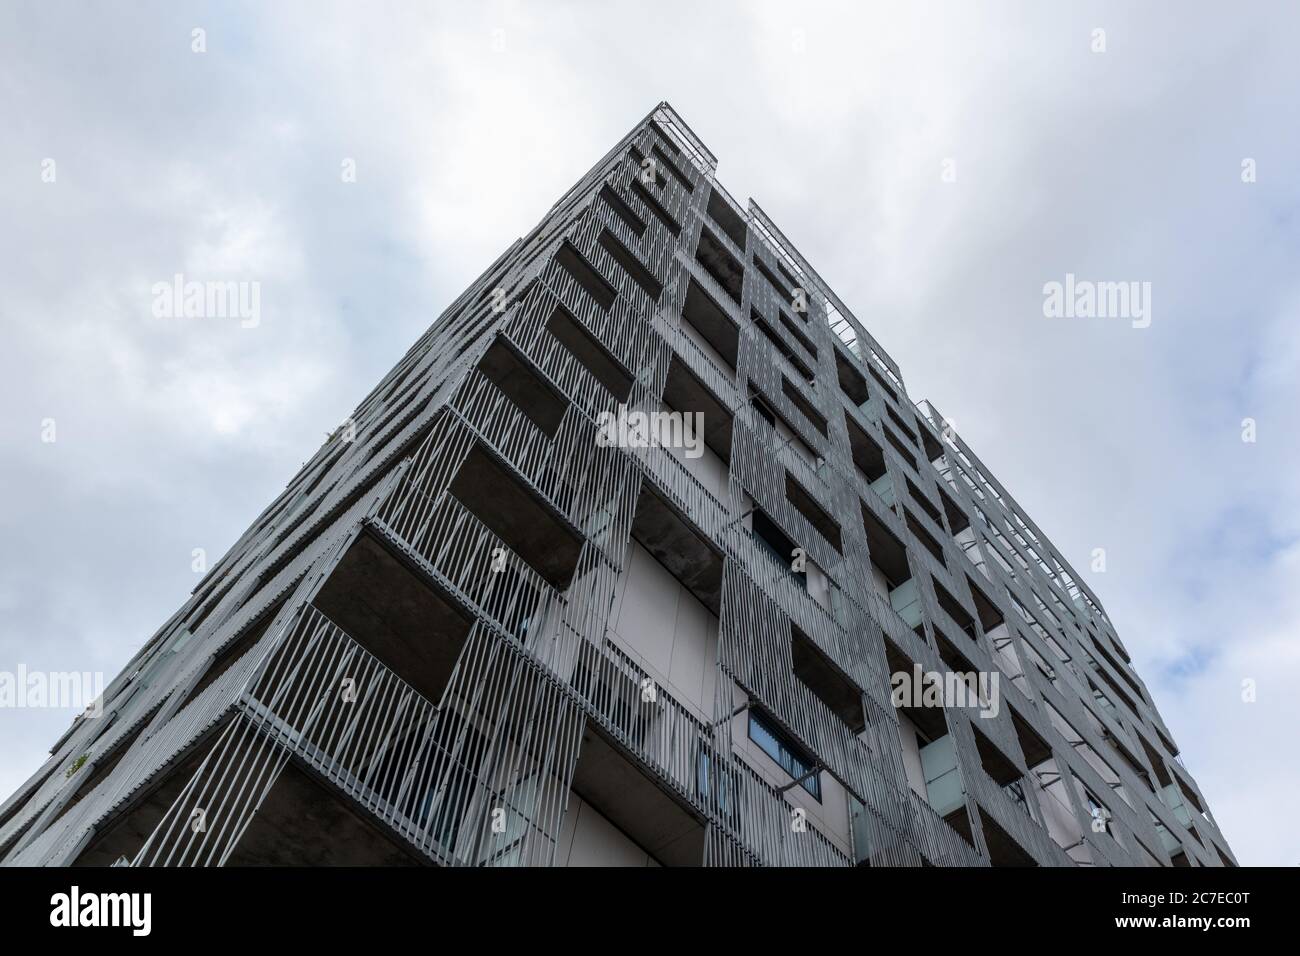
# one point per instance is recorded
(806, 505)
(886, 551)
(681, 547)
(815, 418)
(683, 392)
(907, 454)
(902, 425)
(996, 764)
(933, 447)
(1032, 745)
(621, 209)
(923, 502)
(721, 212)
(797, 333)
(414, 628)
(867, 453)
(785, 293)
(924, 536)
(957, 520)
(585, 274)
(656, 208)
(930, 721)
(525, 523)
(662, 158)
(613, 784)
(954, 609)
(831, 687)
(880, 380)
(956, 661)
(721, 264)
(777, 543)
(631, 265)
(989, 615)
(588, 350)
(789, 276)
(711, 322)
(1003, 849)
(852, 382)
(515, 376)
(780, 345)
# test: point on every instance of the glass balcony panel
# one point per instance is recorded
(942, 778)
(905, 599)
(883, 487)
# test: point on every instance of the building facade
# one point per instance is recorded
(643, 556)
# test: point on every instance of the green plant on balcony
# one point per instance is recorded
(76, 765)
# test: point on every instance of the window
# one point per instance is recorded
(715, 783)
(786, 753)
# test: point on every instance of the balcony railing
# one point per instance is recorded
(681, 750)
(318, 695)
(469, 557)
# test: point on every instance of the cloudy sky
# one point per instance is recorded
(464, 125)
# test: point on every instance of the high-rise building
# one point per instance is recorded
(642, 555)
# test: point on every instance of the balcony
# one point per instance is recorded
(325, 738)
(681, 524)
(733, 229)
(667, 828)
(720, 264)
(652, 768)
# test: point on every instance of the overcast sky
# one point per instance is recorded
(466, 124)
